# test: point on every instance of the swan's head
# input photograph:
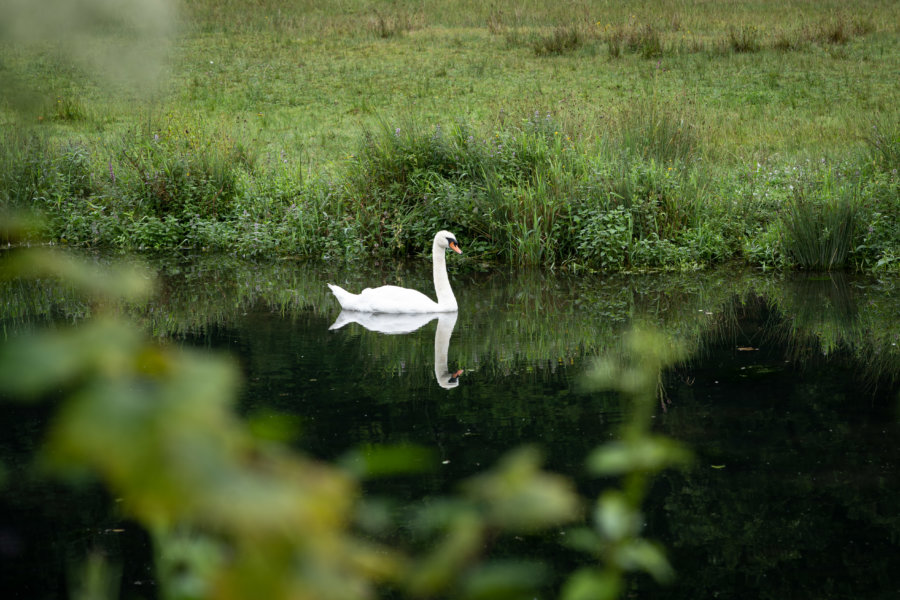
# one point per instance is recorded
(450, 380)
(445, 239)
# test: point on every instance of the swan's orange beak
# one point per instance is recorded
(455, 248)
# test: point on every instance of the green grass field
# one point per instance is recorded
(661, 134)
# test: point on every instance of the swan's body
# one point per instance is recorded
(394, 299)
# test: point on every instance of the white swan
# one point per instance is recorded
(394, 299)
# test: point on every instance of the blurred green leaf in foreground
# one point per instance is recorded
(235, 513)
(615, 534)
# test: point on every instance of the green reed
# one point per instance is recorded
(819, 225)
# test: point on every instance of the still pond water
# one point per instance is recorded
(789, 401)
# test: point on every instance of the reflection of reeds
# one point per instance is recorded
(818, 299)
(523, 323)
(813, 319)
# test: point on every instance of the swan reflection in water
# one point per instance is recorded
(407, 323)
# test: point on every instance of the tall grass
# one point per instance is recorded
(507, 188)
(665, 130)
(530, 193)
(883, 142)
(642, 39)
(398, 22)
(562, 40)
(819, 230)
(744, 39)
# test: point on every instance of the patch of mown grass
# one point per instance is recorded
(319, 74)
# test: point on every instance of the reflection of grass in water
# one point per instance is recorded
(827, 316)
(230, 508)
(814, 318)
(518, 319)
(510, 322)
(822, 305)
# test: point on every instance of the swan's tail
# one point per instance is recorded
(343, 296)
(342, 319)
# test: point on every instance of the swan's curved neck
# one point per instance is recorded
(445, 298)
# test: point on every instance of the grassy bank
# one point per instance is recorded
(662, 135)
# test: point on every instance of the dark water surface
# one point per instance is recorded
(789, 401)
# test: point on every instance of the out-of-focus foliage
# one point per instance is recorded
(615, 532)
(234, 514)
(110, 41)
(519, 497)
(156, 425)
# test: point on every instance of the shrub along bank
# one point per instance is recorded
(530, 193)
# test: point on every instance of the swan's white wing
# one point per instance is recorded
(393, 299)
(385, 299)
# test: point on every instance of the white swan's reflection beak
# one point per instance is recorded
(452, 382)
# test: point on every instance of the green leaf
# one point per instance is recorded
(116, 280)
(583, 540)
(521, 497)
(273, 426)
(650, 453)
(646, 556)
(615, 517)
(387, 460)
(463, 541)
(592, 584)
(499, 580)
(34, 365)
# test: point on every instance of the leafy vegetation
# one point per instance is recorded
(542, 323)
(233, 512)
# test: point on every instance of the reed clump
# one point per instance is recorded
(818, 229)
(745, 38)
(644, 40)
(562, 40)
